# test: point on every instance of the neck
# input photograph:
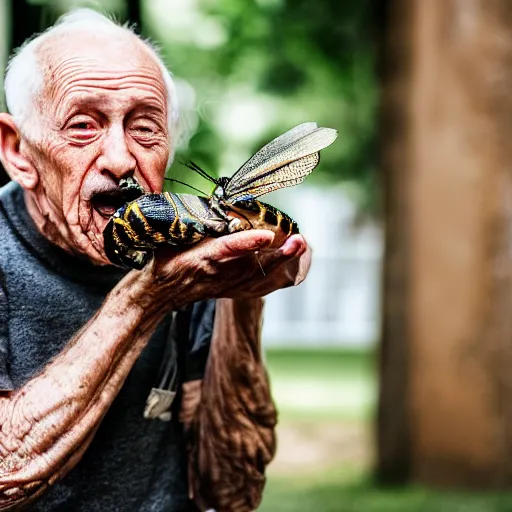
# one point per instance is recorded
(41, 213)
(51, 223)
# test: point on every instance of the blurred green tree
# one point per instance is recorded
(302, 61)
(297, 60)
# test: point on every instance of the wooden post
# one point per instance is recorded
(393, 458)
(458, 196)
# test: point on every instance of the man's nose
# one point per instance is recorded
(116, 157)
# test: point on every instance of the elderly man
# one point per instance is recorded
(81, 342)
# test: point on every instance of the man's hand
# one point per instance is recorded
(236, 266)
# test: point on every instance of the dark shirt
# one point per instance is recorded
(46, 296)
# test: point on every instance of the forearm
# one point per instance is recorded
(47, 424)
(232, 431)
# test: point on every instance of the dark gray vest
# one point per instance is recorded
(133, 464)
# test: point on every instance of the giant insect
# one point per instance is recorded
(150, 220)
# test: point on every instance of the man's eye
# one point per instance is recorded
(82, 129)
(143, 129)
(81, 126)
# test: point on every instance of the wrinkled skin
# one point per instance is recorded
(101, 116)
(100, 121)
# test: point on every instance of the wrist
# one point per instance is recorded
(155, 293)
(138, 295)
(248, 302)
(243, 309)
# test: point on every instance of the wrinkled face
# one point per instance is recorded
(103, 117)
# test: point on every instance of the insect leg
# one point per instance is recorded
(119, 245)
(130, 189)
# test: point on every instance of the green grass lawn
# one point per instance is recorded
(326, 391)
(334, 492)
(322, 384)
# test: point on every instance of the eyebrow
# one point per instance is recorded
(95, 101)
(142, 105)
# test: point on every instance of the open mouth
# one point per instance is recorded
(107, 203)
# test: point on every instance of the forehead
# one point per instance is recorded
(77, 64)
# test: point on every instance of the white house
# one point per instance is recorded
(338, 304)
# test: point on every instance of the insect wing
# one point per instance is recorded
(197, 206)
(284, 162)
(274, 147)
(287, 176)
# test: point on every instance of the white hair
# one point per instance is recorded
(24, 77)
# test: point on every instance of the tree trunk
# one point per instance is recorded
(395, 72)
(457, 274)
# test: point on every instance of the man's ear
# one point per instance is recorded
(17, 165)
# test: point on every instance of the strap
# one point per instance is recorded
(161, 396)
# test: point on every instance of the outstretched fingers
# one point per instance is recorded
(239, 265)
(294, 246)
(239, 244)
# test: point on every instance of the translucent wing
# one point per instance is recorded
(286, 176)
(297, 143)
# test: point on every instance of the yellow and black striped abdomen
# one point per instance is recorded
(140, 226)
(277, 218)
(162, 218)
(260, 215)
(154, 219)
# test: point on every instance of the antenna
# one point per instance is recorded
(186, 185)
(201, 172)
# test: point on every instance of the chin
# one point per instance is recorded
(87, 234)
(99, 200)
(95, 251)
(88, 242)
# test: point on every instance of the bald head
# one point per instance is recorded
(70, 64)
(35, 67)
(91, 103)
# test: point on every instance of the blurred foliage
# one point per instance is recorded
(301, 60)
(258, 68)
